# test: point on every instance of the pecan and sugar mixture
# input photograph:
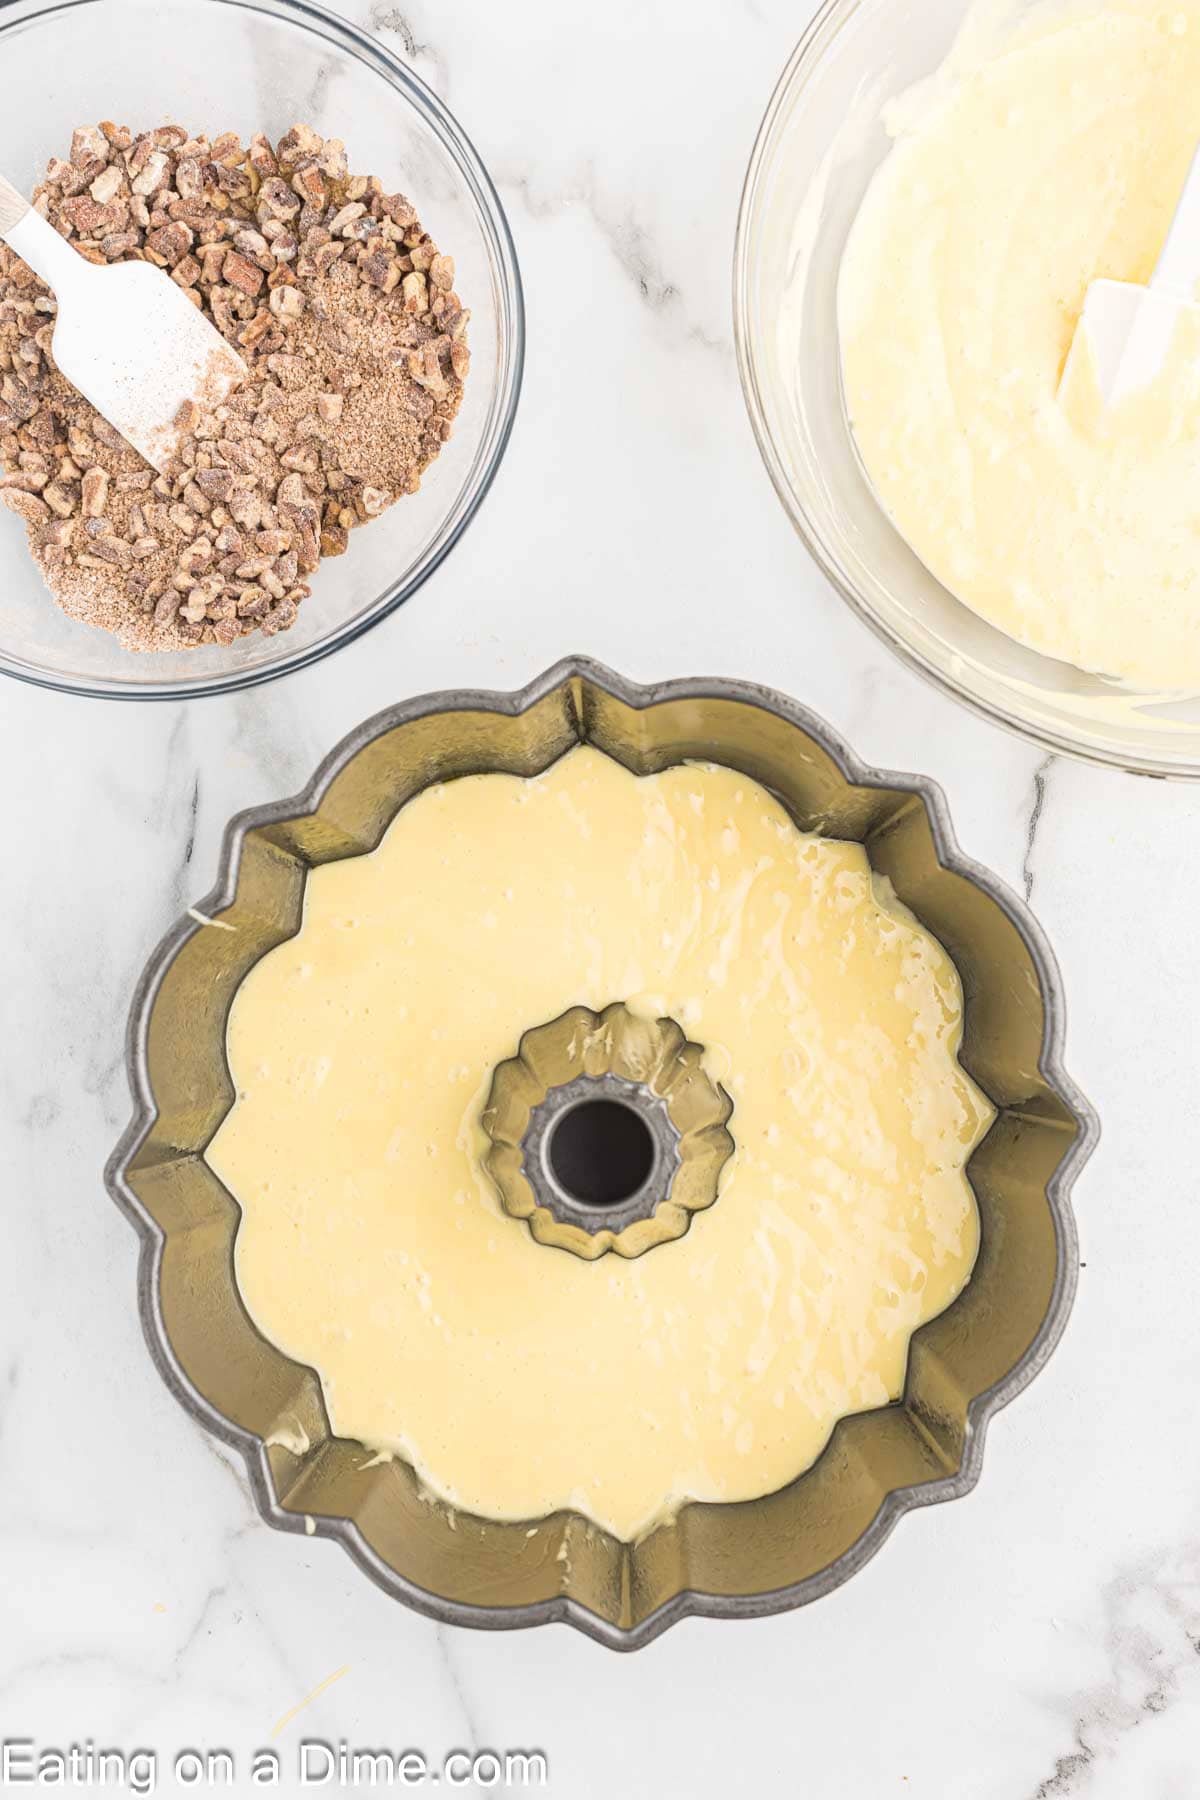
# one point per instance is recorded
(345, 313)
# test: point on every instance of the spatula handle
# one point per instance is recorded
(47, 253)
(1177, 272)
(13, 206)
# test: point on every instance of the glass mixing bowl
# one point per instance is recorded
(261, 65)
(819, 145)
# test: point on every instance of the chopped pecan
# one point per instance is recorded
(400, 210)
(286, 302)
(215, 484)
(151, 173)
(171, 242)
(118, 244)
(189, 178)
(95, 493)
(276, 199)
(441, 272)
(309, 183)
(381, 270)
(241, 273)
(88, 215)
(347, 216)
(262, 157)
(89, 143)
(325, 283)
(300, 141)
(107, 185)
(413, 289)
(26, 504)
(60, 499)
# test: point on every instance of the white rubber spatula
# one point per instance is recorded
(1129, 328)
(125, 335)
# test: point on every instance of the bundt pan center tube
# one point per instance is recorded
(721, 1560)
(656, 1158)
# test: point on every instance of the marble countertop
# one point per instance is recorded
(1036, 1639)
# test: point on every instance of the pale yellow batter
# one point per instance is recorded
(517, 1377)
(1039, 160)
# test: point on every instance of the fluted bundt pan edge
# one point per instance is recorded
(725, 1561)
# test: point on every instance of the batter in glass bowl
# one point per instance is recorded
(1043, 156)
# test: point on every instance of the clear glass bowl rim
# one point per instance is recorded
(17, 13)
(803, 63)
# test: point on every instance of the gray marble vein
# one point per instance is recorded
(627, 238)
(1041, 776)
(1151, 1641)
(392, 22)
(448, 1649)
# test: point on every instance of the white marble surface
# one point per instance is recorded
(1039, 1638)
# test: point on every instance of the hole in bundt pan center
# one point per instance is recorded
(600, 1152)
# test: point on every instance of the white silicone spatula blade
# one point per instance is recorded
(125, 334)
(1129, 329)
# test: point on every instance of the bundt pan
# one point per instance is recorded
(725, 1561)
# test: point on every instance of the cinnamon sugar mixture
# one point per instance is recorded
(343, 309)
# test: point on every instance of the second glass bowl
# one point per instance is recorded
(262, 65)
(819, 145)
